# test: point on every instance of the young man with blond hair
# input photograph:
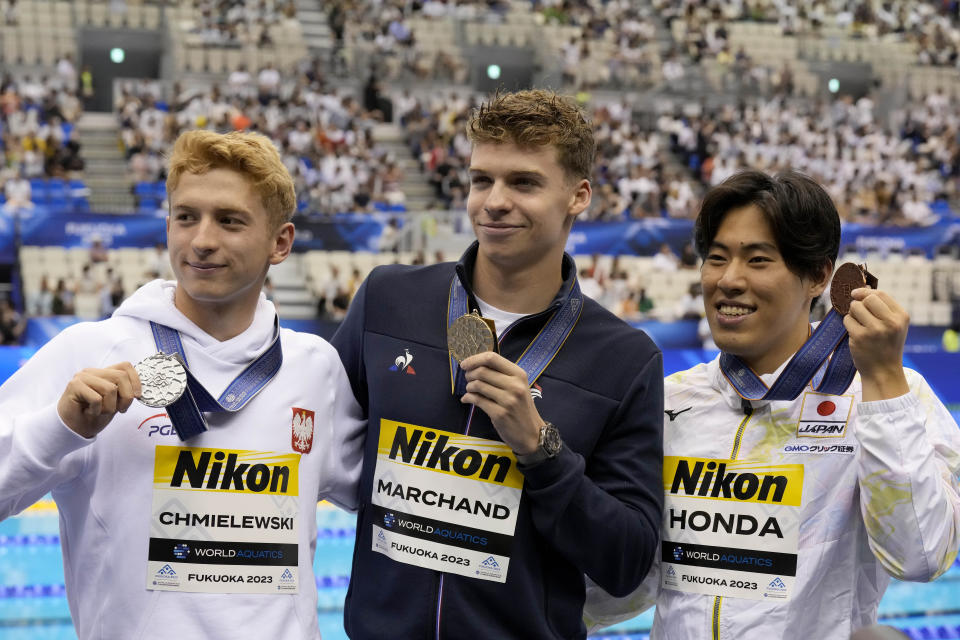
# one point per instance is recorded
(502, 462)
(193, 517)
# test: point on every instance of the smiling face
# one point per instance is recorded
(522, 204)
(757, 308)
(221, 242)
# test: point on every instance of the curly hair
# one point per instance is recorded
(537, 118)
(250, 154)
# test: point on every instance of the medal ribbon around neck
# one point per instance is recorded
(829, 341)
(542, 349)
(186, 413)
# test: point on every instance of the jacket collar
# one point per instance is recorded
(568, 271)
(730, 395)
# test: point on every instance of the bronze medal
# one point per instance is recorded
(848, 277)
(471, 334)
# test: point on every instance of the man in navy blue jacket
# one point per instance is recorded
(493, 482)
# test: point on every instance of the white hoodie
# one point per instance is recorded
(104, 486)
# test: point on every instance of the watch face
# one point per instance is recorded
(550, 440)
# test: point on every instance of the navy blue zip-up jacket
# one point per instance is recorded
(594, 509)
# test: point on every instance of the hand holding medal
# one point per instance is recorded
(877, 326)
(495, 385)
(849, 277)
(94, 396)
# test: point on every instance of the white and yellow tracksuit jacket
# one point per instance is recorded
(875, 486)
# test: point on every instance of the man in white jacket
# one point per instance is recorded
(790, 503)
(212, 536)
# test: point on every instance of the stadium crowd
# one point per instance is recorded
(932, 27)
(37, 130)
(879, 170)
(324, 134)
(876, 174)
(237, 23)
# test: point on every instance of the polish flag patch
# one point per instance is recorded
(301, 430)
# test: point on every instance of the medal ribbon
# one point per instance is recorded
(186, 413)
(539, 353)
(829, 338)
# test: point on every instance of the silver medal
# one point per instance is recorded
(163, 379)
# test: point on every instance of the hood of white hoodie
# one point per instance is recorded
(154, 302)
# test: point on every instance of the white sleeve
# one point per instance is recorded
(37, 451)
(909, 464)
(603, 610)
(345, 442)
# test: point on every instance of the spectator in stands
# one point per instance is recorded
(86, 86)
(916, 213)
(63, 296)
(42, 302)
(159, 262)
(87, 284)
(268, 84)
(690, 306)
(331, 297)
(67, 72)
(665, 259)
(390, 237)
(688, 257)
(17, 192)
(98, 252)
(12, 324)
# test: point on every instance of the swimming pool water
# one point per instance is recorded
(33, 604)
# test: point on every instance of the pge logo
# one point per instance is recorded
(181, 551)
(388, 520)
(678, 553)
(157, 425)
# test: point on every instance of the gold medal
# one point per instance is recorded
(848, 277)
(471, 334)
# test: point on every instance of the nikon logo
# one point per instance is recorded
(220, 471)
(423, 448)
(714, 481)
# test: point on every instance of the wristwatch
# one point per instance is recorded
(550, 445)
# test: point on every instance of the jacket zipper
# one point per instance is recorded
(466, 432)
(747, 413)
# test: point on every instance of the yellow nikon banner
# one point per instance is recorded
(735, 480)
(227, 470)
(449, 453)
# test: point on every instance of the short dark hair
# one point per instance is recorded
(804, 220)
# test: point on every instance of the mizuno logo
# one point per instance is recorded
(673, 414)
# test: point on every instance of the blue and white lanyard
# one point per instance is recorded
(829, 338)
(186, 413)
(539, 353)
